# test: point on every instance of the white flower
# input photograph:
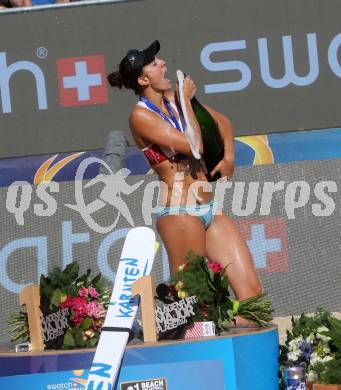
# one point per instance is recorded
(312, 376)
(293, 356)
(295, 351)
(314, 358)
(311, 338)
(322, 329)
(295, 343)
(326, 349)
(327, 359)
(322, 336)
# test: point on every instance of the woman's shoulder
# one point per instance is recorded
(140, 117)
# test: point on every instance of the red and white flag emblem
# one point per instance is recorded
(82, 80)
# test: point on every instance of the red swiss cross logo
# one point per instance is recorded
(82, 80)
(267, 242)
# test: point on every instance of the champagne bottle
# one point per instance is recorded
(212, 141)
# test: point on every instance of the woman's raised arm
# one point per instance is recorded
(148, 128)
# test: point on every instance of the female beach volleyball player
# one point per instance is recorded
(187, 222)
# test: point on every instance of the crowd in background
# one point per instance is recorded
(5, 4)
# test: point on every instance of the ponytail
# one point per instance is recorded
(115, 80)
(124, 77)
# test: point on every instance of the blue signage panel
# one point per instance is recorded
(249, 150)
(222, 363)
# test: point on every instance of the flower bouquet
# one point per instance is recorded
(314, 343)
(79, 302)
(208, 282)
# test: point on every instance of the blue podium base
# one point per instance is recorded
(238, 360)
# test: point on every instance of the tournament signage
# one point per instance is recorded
(174, 314)
(54, 324)
(247, 58)
(152, 384)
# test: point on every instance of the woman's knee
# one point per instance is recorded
(252, 283)
(257, 288)
(245, 292)
(253, 288)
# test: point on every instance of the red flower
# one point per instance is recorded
(76, 319)
(77, 304)
(215, 267)
(204, 309)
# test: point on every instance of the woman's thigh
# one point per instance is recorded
(226, 246)
(181, 234)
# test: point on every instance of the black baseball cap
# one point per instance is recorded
(137, 59)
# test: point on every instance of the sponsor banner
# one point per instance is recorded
(249, 150)
(216, 363)
(288, 147)
(63, 166)
(38, 169)
(267, 242)
(156, 384)
(270, 72)
(190, 374)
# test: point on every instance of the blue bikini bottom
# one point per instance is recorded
(205, 212)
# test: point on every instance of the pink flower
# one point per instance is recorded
(93, 292)
(81, 308)
(215, 267)
(95, 310)
(83, 292)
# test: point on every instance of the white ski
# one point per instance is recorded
(136, 261)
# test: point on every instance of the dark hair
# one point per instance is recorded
(130, 68)
(125, 77)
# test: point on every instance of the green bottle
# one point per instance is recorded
(212, 141)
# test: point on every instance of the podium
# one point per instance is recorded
(242, 359)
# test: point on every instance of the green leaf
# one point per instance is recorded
(100, 285)
(56, 296)
(93, 342)
(69, 340)
(78, 335)
(86, 323)
(45, 286)
(96, 279)
(332, 374)
(72, 270)
(71, 290)
(82, 280)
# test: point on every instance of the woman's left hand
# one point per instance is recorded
(189, 88)
(225, 167)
